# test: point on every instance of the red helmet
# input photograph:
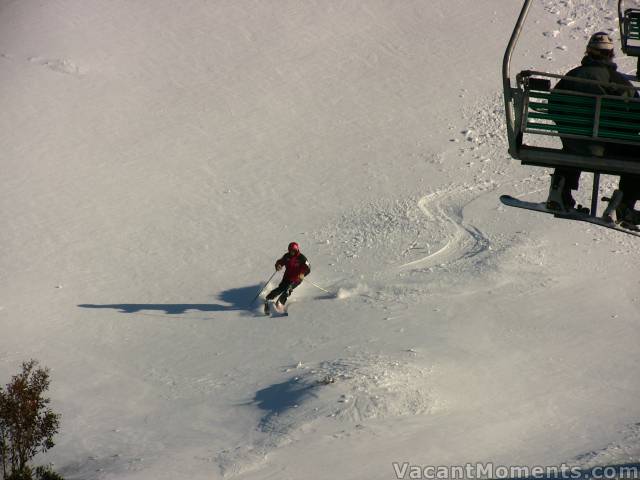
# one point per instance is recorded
(294, 247)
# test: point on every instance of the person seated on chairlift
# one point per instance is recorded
(597, 65)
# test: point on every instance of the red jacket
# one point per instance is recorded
(294, 265)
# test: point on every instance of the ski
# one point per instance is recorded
(275, 309)
(570, 215)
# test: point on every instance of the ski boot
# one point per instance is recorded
(614, 204)
(559, 198)
(627, 217)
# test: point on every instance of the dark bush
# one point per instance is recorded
(45, 473)
(27, 424)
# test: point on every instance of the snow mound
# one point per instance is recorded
(625, 451)
(60, 65)
(348, 292)
(385, 227)
(353, 389)
(377, 387)
(350, 391)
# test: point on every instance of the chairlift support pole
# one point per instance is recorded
(594, 193)
(506, 79)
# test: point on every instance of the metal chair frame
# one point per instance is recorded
(518, 113)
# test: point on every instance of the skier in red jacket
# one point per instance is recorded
(296, 268)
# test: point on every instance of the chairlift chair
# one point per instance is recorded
(534, 110)
(630, 32)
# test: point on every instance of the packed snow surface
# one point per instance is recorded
(158, 156)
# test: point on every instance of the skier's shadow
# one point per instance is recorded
(235, 299)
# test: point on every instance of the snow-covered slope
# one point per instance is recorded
(158, 156)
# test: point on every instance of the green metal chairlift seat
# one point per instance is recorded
(630, 31)
(534, 110)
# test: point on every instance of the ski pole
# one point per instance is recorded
(327, 291)
(262, 289)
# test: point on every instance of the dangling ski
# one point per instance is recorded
(570, 215)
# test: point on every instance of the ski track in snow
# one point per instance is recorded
(407, 235)
(462, 241)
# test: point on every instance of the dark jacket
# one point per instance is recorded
(604, 71)
(600, 70)
(294, 265)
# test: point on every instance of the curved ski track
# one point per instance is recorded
(463, 241)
